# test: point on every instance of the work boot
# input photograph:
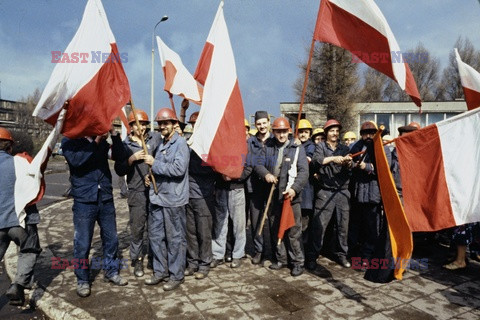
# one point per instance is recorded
(190, 271)
(257, 258)
(342, 260)
(172, 284)
(216, 262)
(297, 271)
(153, 280)
(277, 266)
(236, 263)
(16, 294)
(116, 280)
(83, 289)
(201, 274)
(138, 268)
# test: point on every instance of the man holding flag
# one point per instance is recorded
(285, 164)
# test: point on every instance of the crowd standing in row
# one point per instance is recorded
(188, 210)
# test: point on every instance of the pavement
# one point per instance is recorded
(249, 292)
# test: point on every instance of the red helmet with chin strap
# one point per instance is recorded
(280, 124)
(166, 114)
(5, 134)
(193, 117)
(141, 116)
(331, 123)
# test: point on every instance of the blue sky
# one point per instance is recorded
(270, 38)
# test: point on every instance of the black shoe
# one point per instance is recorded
(228, 259)
(216, 262)
(297, 271)
(311, 265)
(138, 268)
(83, 290)
(172, 284)
(16, 294)
(342, 260)
(201, 274)
(257, 258)
(155, 280)
(236, 263)
(277, 266)
(116, 280)
(190, 271)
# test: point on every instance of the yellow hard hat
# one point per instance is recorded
(349, 135)
(317, 132)
(253, 131)
(247, 124)
(304, 124)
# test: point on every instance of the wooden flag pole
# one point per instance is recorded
(144, 146)
(266, 209)
(170, 96)
(305, 83)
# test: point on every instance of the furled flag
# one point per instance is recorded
(360, 27)
(29, 182)
(178, 80)
(90, 75)
(287, 220)
(470, 79)
(400, 236)
(439, 171)
(219, 136)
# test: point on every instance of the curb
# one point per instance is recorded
(50, 303)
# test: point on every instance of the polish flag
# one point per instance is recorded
(360, 27)
(178, 80)
(470, 79)
(29, 173)
(219, 137)
(287, 219)
(90, 76)
(440, 176)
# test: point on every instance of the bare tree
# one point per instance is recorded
(451, 88)
(374, 85)
(333, 82)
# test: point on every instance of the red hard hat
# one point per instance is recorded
(166, 114)
(193, 117)
(141, 116)
(5, 134)
(331, 123)
(280, 123)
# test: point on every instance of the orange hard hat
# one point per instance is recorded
(193, 117)
(5, 134)
(368, 126)
(280, 123)
(141, 116)
(412, 126)
(166, 114)
(331, 123)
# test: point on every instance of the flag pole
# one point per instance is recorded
(260, 230)
(305, 83)
(144, 146)
(170, 96)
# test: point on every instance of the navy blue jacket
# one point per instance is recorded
(8, 215)
(332, 176)
(308, 192)
(201, 177)
(365, 182)
(268, 160)
(90, 174)
(254, 147)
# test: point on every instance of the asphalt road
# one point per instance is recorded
(56, 179)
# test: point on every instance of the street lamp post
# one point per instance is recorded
(153, 59)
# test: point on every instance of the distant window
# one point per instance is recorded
(435, 117)
(420, 118)
(399, 120)
(384, 118)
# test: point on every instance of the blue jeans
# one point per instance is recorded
(168, 242)
(84, 217)
(229, 203)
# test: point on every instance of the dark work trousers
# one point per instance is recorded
(366, 218)
(138, 206)
(307, 219)
(292, 240)
(27, 240)
(84, 217)
(329, 204)
(199, 232)
(167, 234)
(257, 204)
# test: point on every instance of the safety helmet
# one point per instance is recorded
(193, 117)
(166, 114)
(280, 123)
(188, 129)
(331, 123)
(368, 126)
(5, 134)
(247, 124)
(252, 131)
(412, 126)
(304, 124)
(349, 135)
(387, 137)
(141, 116)
(317, 132)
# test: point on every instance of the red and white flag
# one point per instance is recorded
(470, 79)
(440, 176)
(90, 75)
(219, 137)
(360, 27)
(178, 80)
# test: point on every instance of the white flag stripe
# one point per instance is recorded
(469, 77)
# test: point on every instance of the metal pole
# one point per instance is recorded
(152, 76)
